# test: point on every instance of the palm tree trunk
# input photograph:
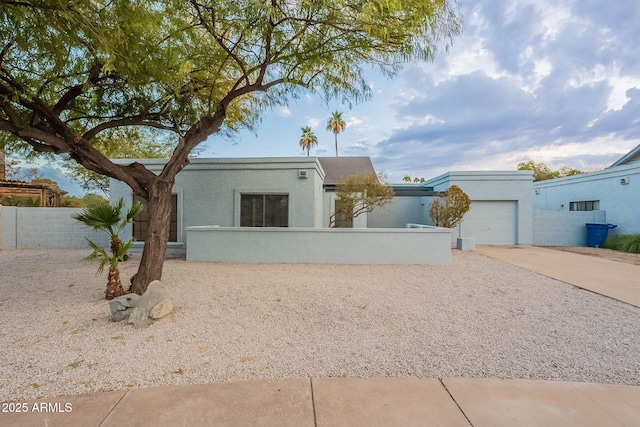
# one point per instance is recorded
(336, 135)
(116, 243)
(114, 285)
(155, 246)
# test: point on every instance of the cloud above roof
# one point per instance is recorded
(526, 76)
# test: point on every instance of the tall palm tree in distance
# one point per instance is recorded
(336, 125)
(308, 139)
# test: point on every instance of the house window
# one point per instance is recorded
(587, 205)
(264, 210)
(141, 221)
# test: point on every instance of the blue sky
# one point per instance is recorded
(553, 81)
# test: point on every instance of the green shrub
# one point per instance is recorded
(624, 243)
(21, 201)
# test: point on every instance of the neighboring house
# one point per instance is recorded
(614, 190)
(43, 195)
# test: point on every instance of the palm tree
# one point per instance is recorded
(308, 139)
(109, 218)
(336, 125)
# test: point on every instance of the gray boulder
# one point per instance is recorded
(122, 306)
(155, 303)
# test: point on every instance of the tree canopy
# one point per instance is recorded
(336, 125)
(308, 139)
(407, 178)
(449, 210)
(77, 75)
(541, 171)
(360, 193)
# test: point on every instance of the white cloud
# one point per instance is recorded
(284, 111)
(619, 86)
(353, 121)
(313, 122)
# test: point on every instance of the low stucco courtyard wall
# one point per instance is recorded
(22, 228)
(320, 246)
(563, 228)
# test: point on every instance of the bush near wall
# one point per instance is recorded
(624, 243)
(20, 201)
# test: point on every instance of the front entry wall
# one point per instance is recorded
(320, 245)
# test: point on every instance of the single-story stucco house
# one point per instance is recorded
(277, 210)
(300, 193)
(614, 190)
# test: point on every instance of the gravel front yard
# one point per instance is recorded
(478, 317)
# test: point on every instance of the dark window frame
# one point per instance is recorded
(264, 210)
(584, 206)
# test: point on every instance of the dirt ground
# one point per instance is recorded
(602, 253)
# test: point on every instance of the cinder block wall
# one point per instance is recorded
(45, 228)
(563, 228)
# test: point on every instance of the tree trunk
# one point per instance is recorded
(114, 285)
(155, 247)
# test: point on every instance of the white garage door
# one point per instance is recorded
(491, 222)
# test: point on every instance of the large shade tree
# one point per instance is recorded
(75, 74)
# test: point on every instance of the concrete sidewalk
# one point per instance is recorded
(345, 402)
(610, 278)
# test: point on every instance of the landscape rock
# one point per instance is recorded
(155, 303)
(121, 315)
(122, 306)
(123, 302)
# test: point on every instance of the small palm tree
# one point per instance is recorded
(109, 218)
(336, 125)
(308, 139)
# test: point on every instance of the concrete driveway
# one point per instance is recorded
(610, 278)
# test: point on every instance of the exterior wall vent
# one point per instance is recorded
(624, 181)
(302, 174)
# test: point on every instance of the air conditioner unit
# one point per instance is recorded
(302, 174)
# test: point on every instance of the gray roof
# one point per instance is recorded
(337, 168)
(632, 156)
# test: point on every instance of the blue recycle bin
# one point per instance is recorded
(597, 234)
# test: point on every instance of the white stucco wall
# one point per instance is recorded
(620, 201)
(401, 211)
(563, 228)
(209, 190)
(498, 186)
(23, 228)
(320, 246)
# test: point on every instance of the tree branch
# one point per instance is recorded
(144, 120)
(69, 97)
